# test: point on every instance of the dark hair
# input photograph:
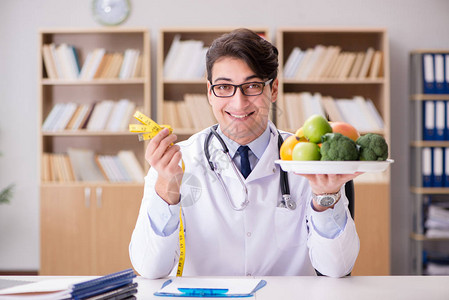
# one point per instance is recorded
(259, 54)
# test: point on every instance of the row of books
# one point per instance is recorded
(330, 62)
(85, 165)
(358, 111)
(106, 115)
(193, 113)
(186, 59)
(62, 62)
(435, 166)
(435, 120)
(435, 73)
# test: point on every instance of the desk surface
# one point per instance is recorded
(312, 287)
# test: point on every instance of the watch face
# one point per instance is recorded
(326, 201)
(111, 12)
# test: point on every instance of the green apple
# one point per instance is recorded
(315, 127)
(306, 151)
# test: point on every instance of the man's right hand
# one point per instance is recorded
(164, 157)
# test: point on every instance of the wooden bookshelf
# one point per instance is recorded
(86, 226)
(175, 89)
(372, 204)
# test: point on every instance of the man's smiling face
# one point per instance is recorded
(241, 118)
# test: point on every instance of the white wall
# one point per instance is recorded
(411, 24)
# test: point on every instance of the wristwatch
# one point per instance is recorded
(326, 200)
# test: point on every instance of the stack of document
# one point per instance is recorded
(437, 223)
(113, 286)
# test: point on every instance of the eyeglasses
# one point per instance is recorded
(226, 90)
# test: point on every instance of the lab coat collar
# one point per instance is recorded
(265, 166)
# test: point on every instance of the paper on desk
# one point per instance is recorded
(43, 289)
(243, 286)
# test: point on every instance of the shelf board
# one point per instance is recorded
(421, 97)
(185, 81)
(429, 143)
(335, 81)
(87, 133)
(112, 81)
(429, 190)
(91, 184)
(422, 237)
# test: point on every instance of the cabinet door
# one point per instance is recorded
(66, 239)
(372, 219)
(116, 211)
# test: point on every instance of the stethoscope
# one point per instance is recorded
(286, 202)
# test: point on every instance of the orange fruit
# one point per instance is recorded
(346, 129)
(286, 150)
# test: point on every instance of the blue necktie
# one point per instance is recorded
(245, 167)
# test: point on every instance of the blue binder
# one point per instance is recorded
(446, 73)
(439, 73)
(428, 120)
(440, 120)
(437, 170)
(446, 167)
(102, 284)
(428, 68)
(426, 168)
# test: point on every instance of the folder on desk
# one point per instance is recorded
(210, 287)
(113, 285)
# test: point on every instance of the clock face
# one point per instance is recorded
(111, 12)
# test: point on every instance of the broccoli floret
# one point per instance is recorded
(336, 146)
(372, 147)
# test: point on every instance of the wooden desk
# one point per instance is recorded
(311, 287)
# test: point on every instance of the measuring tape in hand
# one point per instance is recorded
(148, 130)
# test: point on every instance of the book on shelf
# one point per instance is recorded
(331, 62)
(375, 70)
(186, 59)
(198, 105)
(85, 165)
(106, 115)
(355, 70)
(364, 69)
(357, 111)
(62, 62)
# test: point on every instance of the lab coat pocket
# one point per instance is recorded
(290, 226)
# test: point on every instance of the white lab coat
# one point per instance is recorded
(263, 239)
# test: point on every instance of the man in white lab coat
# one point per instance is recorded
(237, 224)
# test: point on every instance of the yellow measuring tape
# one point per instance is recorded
(148, 130)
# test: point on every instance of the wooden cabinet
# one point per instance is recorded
(86, 230)
(429, 156)
(372, 191)
(86, 226)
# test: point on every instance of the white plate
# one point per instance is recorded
(333, 167)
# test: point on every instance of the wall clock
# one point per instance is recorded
(111, 12)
